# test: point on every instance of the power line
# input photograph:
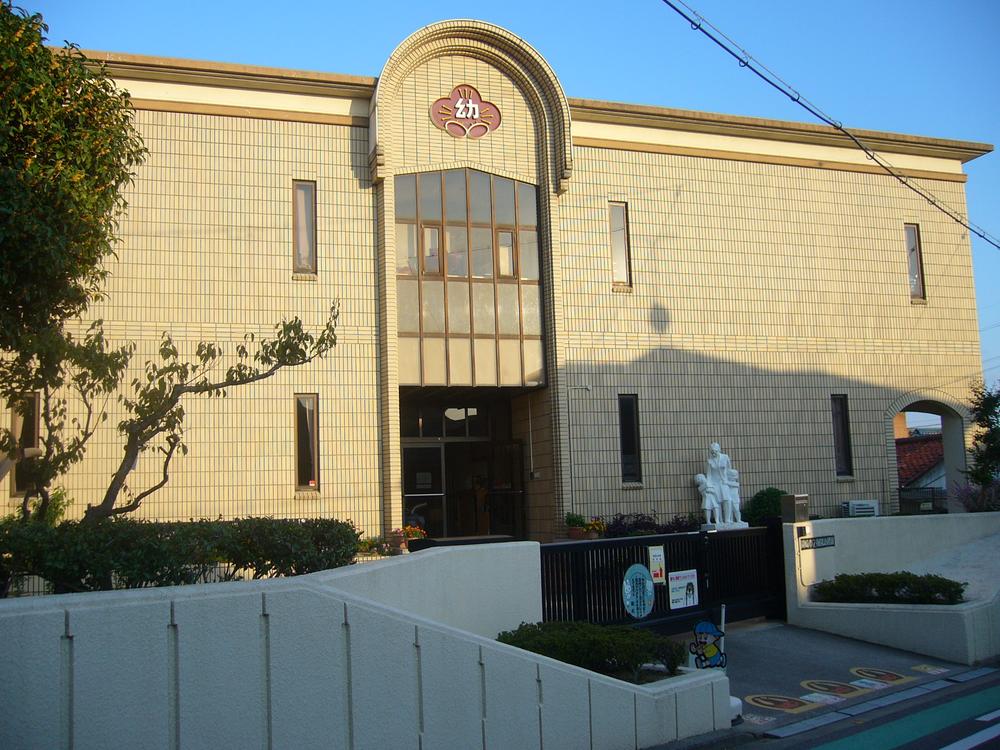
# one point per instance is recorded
(746, 60)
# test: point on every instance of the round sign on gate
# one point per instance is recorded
(637, 591)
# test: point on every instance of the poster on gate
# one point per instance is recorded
(683, 588)
(658, 565)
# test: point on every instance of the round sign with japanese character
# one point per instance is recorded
(637, 591)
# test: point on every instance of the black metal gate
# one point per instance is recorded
(743, 569)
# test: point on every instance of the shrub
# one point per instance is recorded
(641, 524)
(128, 553)
(575, 519)
(615, 651)
(976, 499)
(890, 588)
(765, 504)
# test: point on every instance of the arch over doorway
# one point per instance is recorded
(954, 418)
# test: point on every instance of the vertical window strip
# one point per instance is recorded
(621, 260)
(915, 261)
(628, 424)
(307, 441)
(304, 226)
(841, 435)
(24, 428)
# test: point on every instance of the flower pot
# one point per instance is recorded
(575, 532)
(593, 535)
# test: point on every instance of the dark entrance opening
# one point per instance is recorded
(463, 474)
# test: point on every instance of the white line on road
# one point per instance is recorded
(975, 740)
(990, 716)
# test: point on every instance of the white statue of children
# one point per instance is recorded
(733, 512)
(709, 498)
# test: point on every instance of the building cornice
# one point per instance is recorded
(280, 80)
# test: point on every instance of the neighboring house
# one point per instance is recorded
(547, 304)
(920, 459)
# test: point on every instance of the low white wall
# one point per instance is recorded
(481, 588)
(297, 663)
(966, 633)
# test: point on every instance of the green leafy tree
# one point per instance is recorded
(68, 148)
(984, 469)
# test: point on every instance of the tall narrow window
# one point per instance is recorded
(304, 226)
(915, 261)
(628, 424)
(24, 428)
(841, 435)
(307, 441)
(620, 253)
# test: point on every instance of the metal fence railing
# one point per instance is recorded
(582, 581)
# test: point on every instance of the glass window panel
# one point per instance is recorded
(430, 196)
(534, 373)
(304, 226)
(454, 422)
(454, 196)
(482, 253)
(483, 313)
(460, 361)
(503, 197)
(457, 246)
(458, 307)
(407, 300)
(486, 361)
(432, 306)
(628, 426)
(509, 317)
(531, 309)
(406, 248)
(619, 243)
(434, 365)
(527, 205)
(306, 441)
(409, 420)
(406, 196)
(430, 421)
(841, 435)
(478, 421)
(432, 250)
(409, 361)
(915, 261)
(527, 241)
(505, 253)
(479, 197)
(510, 362)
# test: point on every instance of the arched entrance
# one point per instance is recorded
(928, 456)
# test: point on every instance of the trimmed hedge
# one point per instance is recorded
(890, 588)
(765, 504)
(616, 651)
(125, 553)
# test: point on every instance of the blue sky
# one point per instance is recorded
(911, 66)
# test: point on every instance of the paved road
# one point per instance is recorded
(805, 689)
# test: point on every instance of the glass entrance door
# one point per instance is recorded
(423, 489)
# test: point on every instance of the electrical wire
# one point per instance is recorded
(745, 60)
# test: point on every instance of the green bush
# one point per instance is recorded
(615, 651)
(765, 504)
(575, 519)
(125, 553)
(890, 588)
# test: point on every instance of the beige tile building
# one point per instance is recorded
(547, 304)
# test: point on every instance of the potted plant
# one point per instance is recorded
(595, 527)
(576, 526)
(411, 532)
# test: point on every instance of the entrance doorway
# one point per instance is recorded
(462, 480)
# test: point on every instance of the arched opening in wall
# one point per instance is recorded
(930, 457)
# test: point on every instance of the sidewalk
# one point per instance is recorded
(793, 680)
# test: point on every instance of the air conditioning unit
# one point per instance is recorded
(859, 508)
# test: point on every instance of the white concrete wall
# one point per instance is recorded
(480, 588)
(967, 633)
(297, 663)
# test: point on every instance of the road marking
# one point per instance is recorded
(902, 731)
(883, 675)
(833, 687)
(780, 703)
(974, 740)
(930, 669)
(990, 716)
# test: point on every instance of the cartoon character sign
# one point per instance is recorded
(706, 646)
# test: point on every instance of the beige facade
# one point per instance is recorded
(767, 273)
